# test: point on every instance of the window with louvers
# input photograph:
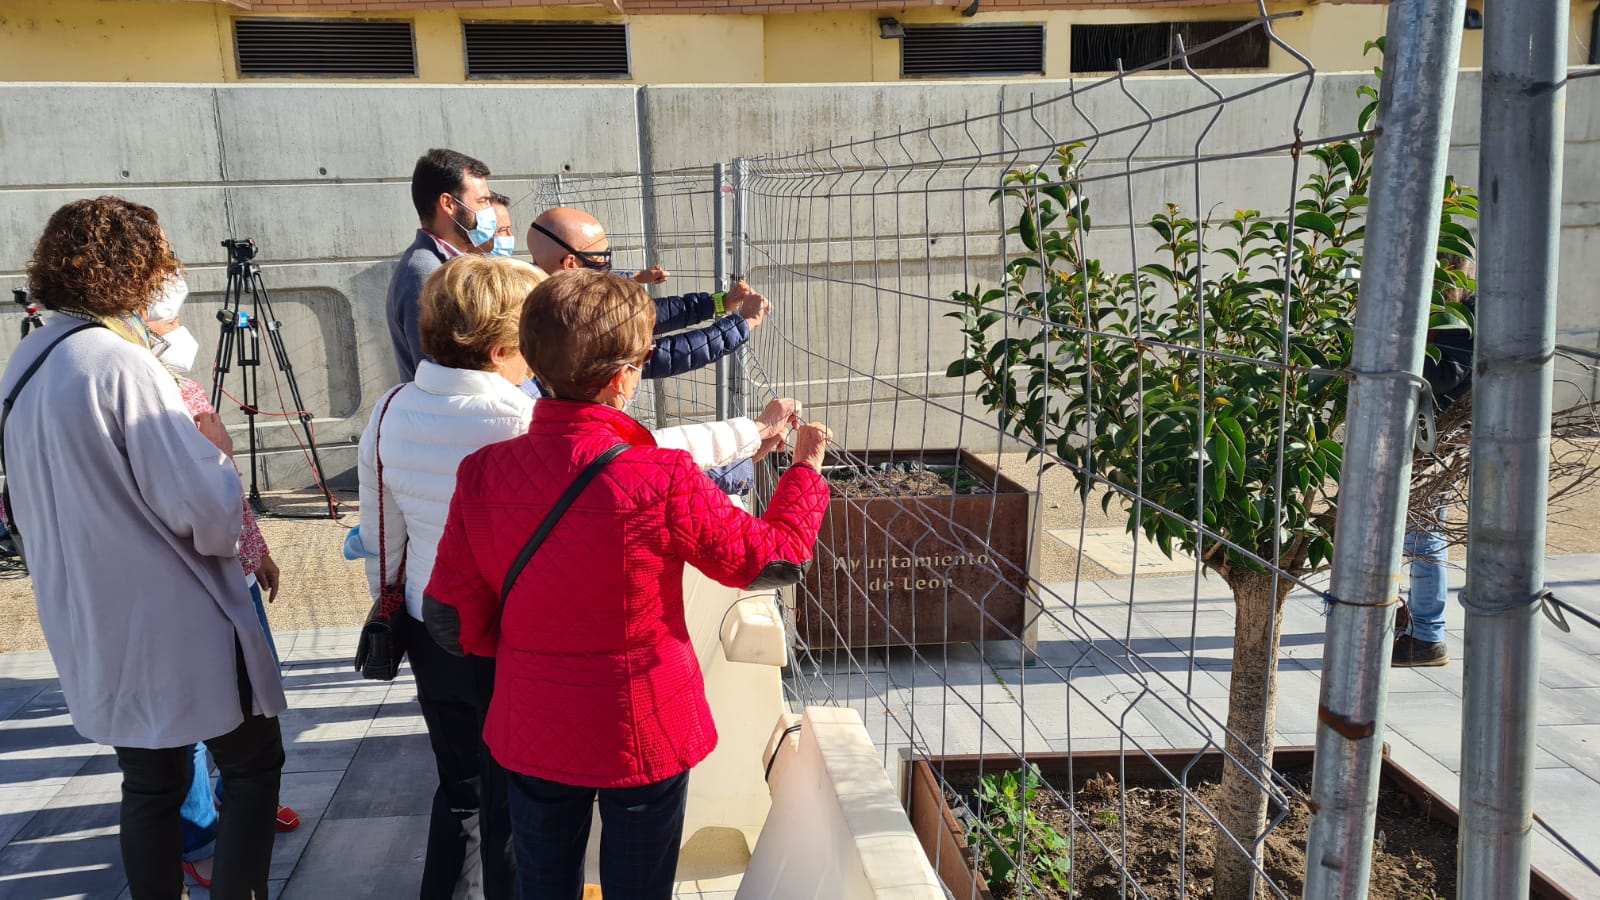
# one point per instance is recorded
(337, 48)
(546, 50)
(935, 51)
(1097, 48)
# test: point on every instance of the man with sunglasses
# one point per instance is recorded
(451, 194)
(572, 239)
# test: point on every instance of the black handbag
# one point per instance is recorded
(381, 648)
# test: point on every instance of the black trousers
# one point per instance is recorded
(454, 693)
(154, 784)
(641, 829)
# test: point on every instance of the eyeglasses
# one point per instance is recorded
(598, 260)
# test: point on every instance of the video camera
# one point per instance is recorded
(240, 250)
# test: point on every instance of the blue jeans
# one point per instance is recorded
(641, 829)
(200, 806)
(1430, 585)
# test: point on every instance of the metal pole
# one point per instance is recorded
(738, 399)
(1524, 112)
(719, 231)
(1417, 97)
(652, 232)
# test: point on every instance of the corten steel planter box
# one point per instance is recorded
(944, 838)
(891, 571)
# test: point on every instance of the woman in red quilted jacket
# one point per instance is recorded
(597, 689)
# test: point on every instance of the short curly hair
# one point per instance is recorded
(470, 306)
(105, 256)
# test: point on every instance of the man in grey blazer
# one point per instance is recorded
(454, 204)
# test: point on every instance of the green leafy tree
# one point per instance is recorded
(1104, 371)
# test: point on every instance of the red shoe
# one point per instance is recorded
(288, 819)
(189, 870)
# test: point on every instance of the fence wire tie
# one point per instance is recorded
(1555, 610)
(1543, 598)
(1329, 601)
(1426, 436)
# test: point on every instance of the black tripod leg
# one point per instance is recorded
(252, 402)
(280, 355)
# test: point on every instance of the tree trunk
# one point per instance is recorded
(1252, 718)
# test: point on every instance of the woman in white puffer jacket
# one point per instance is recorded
(467, 396)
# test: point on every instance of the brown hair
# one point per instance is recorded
(580, 327)
(470, 306)
(105, 256)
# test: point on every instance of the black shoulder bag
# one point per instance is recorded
(443, 623)
(556, 512)
(5, 413)
(381, 646)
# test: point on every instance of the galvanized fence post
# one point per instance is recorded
(1417, 99)
(719, 250)
(738, 399)
(1524, 97)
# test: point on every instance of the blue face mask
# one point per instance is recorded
(504, 245)
(487, 224)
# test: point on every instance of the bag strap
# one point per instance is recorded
(5, 413)
(556, 512)
(377, 449)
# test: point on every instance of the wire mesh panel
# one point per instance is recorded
(1106, 314)
(668, 219)
(1086, 360)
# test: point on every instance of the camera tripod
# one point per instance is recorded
(240, 345)
(31, 318)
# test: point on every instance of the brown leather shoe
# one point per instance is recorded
(1410, 653)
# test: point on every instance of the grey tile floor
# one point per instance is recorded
(360, 775)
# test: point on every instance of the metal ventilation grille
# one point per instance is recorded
(1097, 48)
(330, 47)
(949, 50)
(546, 50)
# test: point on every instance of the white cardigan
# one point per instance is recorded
(442, 418)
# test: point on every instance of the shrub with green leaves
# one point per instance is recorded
(1015, 847)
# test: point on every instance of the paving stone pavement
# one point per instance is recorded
(360, 775)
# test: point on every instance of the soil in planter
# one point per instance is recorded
(903, 479)
(1415, 859)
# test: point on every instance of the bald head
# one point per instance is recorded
(564, 238)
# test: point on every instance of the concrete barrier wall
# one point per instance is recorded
(319, 176)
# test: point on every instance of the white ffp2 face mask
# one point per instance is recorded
(169, 300)
(181, 349)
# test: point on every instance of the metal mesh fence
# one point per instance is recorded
(1087, 359)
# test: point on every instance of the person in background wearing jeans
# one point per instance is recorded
(598, 691)
(1421, 641)
(102, 427)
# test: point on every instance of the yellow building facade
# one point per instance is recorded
(193, 41)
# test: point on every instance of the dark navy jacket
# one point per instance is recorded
(676, 354)
(419, 260)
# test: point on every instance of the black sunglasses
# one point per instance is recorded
(599, 260)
